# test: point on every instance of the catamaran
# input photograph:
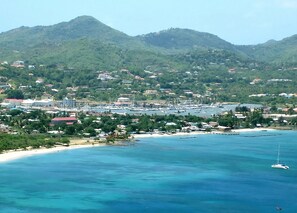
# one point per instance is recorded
(279, 165)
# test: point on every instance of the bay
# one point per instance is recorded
(196, 173)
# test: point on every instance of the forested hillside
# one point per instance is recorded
(83, 40)
(169, 65)
(177, 40)
(282, 52)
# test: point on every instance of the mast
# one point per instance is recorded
(278, 154)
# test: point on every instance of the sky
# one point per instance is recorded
(236, 21)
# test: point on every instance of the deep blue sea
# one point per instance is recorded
(201, 173)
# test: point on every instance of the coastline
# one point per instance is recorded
(148, 135)
(253, 130)
(75, 144)
(85, 143)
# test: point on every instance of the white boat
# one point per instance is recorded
(279, 165)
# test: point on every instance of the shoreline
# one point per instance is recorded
(85, 143)
(254, 130)
(154, 135)
(11, 155)
(148, 135)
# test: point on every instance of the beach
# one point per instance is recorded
(74, 144)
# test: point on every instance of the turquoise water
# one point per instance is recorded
(203, 173)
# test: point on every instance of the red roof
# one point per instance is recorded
(14, 99)
(64, 119)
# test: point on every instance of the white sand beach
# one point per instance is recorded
(75, 144)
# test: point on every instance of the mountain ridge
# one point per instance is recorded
(27, 42)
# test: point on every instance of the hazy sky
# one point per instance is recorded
(237, 21)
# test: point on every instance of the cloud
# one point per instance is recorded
(288, 4)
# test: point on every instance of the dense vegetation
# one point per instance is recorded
(206, 75)
(14, 142)
(179, 64)
(32, 129)
(38, 122)
(184, 40)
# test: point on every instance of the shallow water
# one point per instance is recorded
(205, 173)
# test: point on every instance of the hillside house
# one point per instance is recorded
(105, 77)
(18, 64)
(150, 92)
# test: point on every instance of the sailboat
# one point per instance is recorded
(279, 165)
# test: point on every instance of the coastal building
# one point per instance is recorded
(239, 116)
(43, 103)
(11, 102)
(206, 125)
(28, 103)
(213, 124)
(68, 103)
(63, 120)
(123, 101)
(224, 128)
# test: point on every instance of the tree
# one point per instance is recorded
(294, 121)
(255, 118)
(70, 130)
(17, 94)
(227, 120)
(91, 131)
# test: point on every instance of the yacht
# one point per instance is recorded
(279, 165)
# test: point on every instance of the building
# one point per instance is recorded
(68, 103)
(5, 86)
(11, 102)
(18, 64)
(122, 101)
(43, 103)
(63, 120)
(105, 77)
(151, 92)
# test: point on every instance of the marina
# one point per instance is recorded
(203, 110)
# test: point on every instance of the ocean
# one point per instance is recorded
(196, 173)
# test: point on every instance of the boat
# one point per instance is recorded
(279, 165)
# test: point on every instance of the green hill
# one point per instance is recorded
(85, 42)
(82, 42)
(184, 40)
(278, 52)
(171, 65)
(78, 28)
